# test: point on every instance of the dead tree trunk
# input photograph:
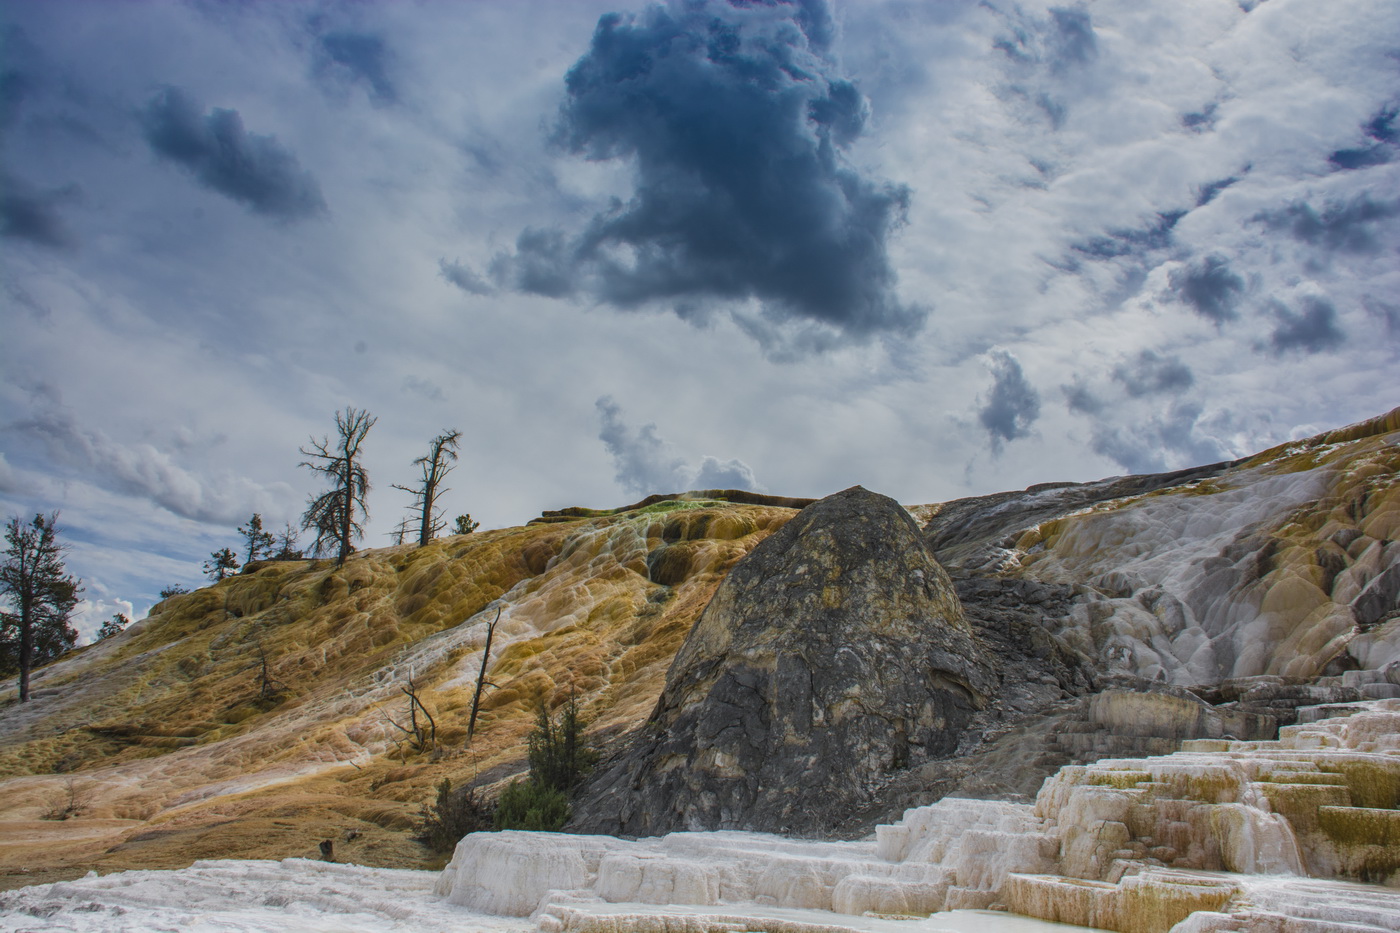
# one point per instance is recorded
(481, 681)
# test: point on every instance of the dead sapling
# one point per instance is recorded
(270, 689)
(69, 806)
(481, 681)
(422, 734)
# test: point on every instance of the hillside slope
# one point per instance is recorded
(1248, 588)
(171, 745)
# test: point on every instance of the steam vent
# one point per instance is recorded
(831, 655)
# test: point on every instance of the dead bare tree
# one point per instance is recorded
(70, 806)
(436, 464)
(268, 687)
(423, 735)
(481, 681)
(334, 514)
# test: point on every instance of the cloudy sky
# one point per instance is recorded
(935, 248)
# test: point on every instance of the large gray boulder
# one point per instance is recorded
(832, 656)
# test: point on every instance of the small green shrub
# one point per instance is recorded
(453, 815)
(530, 805)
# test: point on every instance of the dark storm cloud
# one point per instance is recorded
(1151, 374)
(1064, 40)
(1340, 226)
(1382, 127)
(1208, 192)
(14, 87)
(733, 121)
(461, 275)
(1074, 42)
(1360, 157)
(1013, 405)
(544, 263)
(1386, 314)
(1171, 438)
(1199, 121)
(18, 77)
(358, 57)
(28, 214)
(1312, 331)
(1081, 398)
(1210, 287)
(1045, 53)
(1155, 235)
(249, 168)
(644, 465)
(23, 299)
(1381, 132)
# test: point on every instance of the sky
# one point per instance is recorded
(938, 249)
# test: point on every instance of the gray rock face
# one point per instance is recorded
(833, 656)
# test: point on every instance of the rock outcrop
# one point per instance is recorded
(833, 655)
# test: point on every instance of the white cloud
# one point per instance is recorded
(645, 463)
(195, 344)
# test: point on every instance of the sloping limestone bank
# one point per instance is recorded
(1273, 573)
(1296, 835)
(252, 718)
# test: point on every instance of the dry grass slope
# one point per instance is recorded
(175, 742)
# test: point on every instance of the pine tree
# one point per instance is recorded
(259, 542)
(41, 594)
(221, 563)
(113, 626)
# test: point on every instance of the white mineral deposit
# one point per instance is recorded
(1136, 845)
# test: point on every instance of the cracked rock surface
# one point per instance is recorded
(833, 655)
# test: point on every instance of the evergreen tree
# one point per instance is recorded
(560, 758)
(559, 755)
(221, 563)
(259, 542)
(41, 594)
(113, 626)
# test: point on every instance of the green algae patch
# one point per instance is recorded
(1374, 780)
(1367, 840)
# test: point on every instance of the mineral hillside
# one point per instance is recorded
(748, 662)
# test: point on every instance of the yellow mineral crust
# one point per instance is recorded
(175, 741)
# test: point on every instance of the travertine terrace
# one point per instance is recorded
(1204, 838)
